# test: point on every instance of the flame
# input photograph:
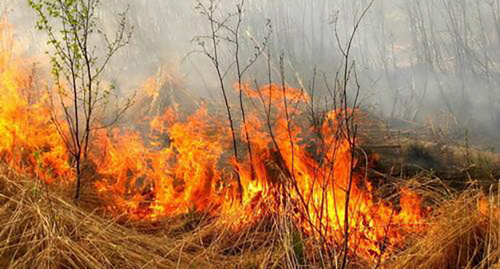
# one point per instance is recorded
(29, 141)
(181, 164)
(177, 174)
(186, 164)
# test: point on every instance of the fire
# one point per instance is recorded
(171, 179)
(183, 163)
(29, 141)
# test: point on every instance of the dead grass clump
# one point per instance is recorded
(463, 233)
(45, 229)
(39, 229)
(42, 230)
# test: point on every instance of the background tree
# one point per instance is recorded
(79, 52)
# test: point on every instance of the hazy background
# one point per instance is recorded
(416, 59)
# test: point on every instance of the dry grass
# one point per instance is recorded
(42, 229)
(463, 233)
(45, 229)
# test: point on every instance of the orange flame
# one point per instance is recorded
(186, 164)
(28, 140)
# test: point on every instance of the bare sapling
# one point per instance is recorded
(226, 33)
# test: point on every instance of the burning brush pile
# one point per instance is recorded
(304, 185)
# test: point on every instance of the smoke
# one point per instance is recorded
(415, 59)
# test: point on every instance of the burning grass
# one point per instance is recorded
(309, 174)
(45, 230)
(42, 228)
(171, 196)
